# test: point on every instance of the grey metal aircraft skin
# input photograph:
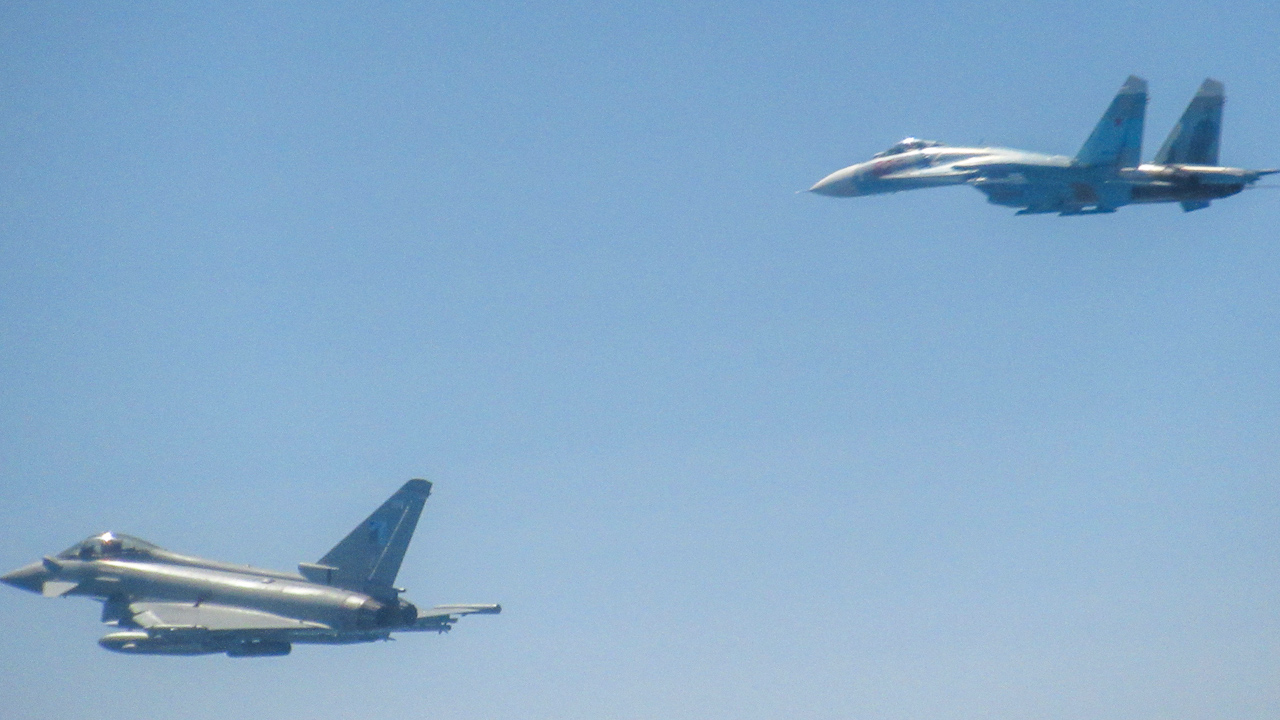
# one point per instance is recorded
(169, 604)
(1106, 174)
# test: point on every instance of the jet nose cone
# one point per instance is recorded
(838, 184)
(28, 577)
(822, 187)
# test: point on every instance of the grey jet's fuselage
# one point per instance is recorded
(165, 603)
(172, 578)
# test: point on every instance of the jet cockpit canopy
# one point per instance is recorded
(907, 145)
(109, 545)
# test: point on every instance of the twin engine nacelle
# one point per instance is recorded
(1195, 174)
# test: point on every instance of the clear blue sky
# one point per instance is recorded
(719, 449)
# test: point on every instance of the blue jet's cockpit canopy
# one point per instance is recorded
(109, 545)
(907, 145)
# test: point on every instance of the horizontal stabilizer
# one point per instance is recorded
(1116, 141)
(1194, 140)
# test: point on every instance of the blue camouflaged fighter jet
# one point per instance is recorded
(1106, 174)
(169, 604)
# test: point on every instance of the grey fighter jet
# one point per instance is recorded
(169, 604)
(1106, 174)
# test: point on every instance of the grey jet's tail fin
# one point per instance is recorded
(368, 559)
(1194, 140)
(1117, 138)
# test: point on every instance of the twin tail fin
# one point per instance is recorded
(1116, 141)
(1194, 140)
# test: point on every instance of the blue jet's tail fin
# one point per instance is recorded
(1117, 139)
(368, 559)
(1194, 140)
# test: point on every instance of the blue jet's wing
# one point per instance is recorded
(1068, 198)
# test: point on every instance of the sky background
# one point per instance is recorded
(721, 450)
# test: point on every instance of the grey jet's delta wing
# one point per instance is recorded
(164, 603)
(1107, 173)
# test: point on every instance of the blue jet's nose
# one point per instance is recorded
(841, 183)
(28, 577)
